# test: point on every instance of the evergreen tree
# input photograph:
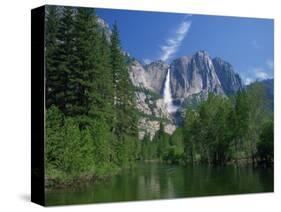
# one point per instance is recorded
(265, 145)
(191, 133)
(163, 143)
(85, 73)
(220, 127)
(66, 58)
(51, 43)
(256, 117)
(125, 119)
(239, 121)
(102, 106)
(54, 138)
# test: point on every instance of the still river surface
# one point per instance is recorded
(151, 181)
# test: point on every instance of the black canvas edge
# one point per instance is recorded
(37, 105)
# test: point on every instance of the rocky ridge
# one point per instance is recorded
(192, 79)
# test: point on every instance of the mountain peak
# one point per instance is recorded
(218, 59)
(230, 80)
(191, 75)
(156, 63)
(201, 53)
(202, 58)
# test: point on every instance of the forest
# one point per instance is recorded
(91, 117)
(219, 131)
(91, 123)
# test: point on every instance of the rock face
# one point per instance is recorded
(152, 111)
(151, 76)
(150, 127)
(147, 127)
(155, 75)
(189, 75)
(148, 80)
(192, 75)
(192, 78)
(105, 28)
(230, 81)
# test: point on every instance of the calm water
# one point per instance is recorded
(160, 181)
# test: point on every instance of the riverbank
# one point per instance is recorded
(55, 179)
(61, 180)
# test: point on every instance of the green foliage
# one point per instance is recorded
(176, 141)
(65, 60)
(148, 149)
(221, 130)
(66, 145)
(265, 145)
(91, 122)
(190, 137)
(91, 117)
(51, 44)
(206, 131)
(54, 137)
(125, 112)
(85, 73)
(73, 148)
(218, 131)
(257, 117)
(162, 147)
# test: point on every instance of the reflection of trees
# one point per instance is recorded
(156, 181)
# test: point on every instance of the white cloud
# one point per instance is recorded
(260, 73)
(270, 63)
(147, 61)
(173, 43)
(248, 81)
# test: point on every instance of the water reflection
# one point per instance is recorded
(159, 181)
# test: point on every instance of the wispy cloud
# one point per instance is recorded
(258, 73)
(261, 75)
(270, 63)
(173, 43)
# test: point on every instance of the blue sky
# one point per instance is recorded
(246, 43)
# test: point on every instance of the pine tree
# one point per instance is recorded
(66, 58)
(54, 138)
(102, 106)
(84, 71)
(256, 117)
(191, 131)
(52, 22)
(117, 66)
(239, 122)
(124, 119)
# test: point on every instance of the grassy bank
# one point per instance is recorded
(59, 179)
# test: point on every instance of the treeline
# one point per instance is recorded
(91, 123)
(218, 131)
(91, 117)
(163, 147)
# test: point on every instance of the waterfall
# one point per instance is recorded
(168, 100)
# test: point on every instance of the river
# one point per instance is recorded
(161, 181)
